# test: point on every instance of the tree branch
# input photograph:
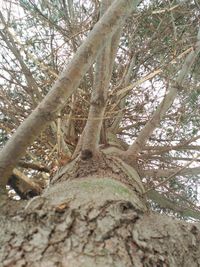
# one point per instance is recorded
(23, 186)
(160, 173)
(166, 203)
(148, 129)
(8, 39)
(122, 102)
(103, 72)
(33, 166)
(65, 85)
(170, 177)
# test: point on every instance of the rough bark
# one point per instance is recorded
(94, 214)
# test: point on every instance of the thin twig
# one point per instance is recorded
(173, 175)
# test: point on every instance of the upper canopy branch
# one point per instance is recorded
(166, 103)
(103, 73)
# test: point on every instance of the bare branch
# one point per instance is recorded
(174, 174)
(8, 39)
(160, 173)
(146, 132)
(23, 186)
(67, 82)
(103, 72)
(122, 101)
(166, 203)
(164, 158)
(33, 166)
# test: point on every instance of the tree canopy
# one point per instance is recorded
(132, 87)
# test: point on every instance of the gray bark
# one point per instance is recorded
(65, 85)
(94, 214)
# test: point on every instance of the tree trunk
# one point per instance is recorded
(94, 214)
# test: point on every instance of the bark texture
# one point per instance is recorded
(94, 214)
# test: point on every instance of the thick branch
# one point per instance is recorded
(23, 186)
(33, 166)
(103, 73)
(67, 82)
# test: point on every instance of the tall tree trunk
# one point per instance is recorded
(94, 214)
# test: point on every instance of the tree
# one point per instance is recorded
(95, 210)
